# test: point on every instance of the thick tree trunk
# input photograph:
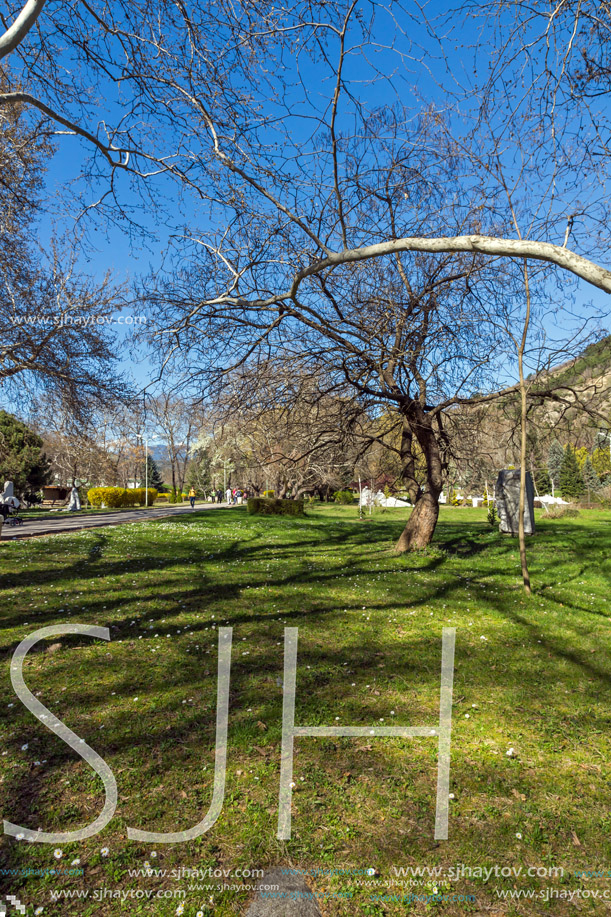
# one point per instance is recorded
(420, 528)
(408, 465)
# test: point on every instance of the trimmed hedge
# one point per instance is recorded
(263, 506)
(115, 497)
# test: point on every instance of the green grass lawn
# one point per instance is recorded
(532, 674)
(58, 512)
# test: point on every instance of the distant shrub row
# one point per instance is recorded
(174, 496)
(264, 506)
(120, 496)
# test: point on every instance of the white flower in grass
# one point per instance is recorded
(180, 910)
(24, 747)
(511, 753)
(200, 914)
(20, 837)
(519, 836)
(38, 911)
(58, 854)
(154, 853)
(104, 851)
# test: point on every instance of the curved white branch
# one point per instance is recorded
(15, 33)
(486, 245)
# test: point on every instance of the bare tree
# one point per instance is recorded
(185, 114)
(286, 428)
(178, 422)
(304, 216)
(56, 328)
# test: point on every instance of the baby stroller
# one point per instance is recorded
(10, 515)
(9, 506)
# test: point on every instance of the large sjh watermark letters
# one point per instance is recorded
(289, 733)
(220, 756)
(60, 729)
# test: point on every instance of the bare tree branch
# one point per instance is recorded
(15, 34)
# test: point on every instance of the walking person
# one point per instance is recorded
(228, 496)
(192, 497)
(219, 496)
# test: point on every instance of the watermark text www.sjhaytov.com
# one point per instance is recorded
(62, 320)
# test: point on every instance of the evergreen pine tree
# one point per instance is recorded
(590, 478)
(555, 459)
(538, 469)
(21, 457)
(154, 475)
(570, 479)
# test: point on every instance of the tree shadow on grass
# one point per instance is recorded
(408, 657)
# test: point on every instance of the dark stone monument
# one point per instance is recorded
(507, 494)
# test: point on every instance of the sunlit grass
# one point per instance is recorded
(531, 674)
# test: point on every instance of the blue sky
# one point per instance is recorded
(109, 247)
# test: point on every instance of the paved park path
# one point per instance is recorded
(69, 522)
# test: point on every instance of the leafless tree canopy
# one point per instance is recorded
(342, 190)
(54, 323)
